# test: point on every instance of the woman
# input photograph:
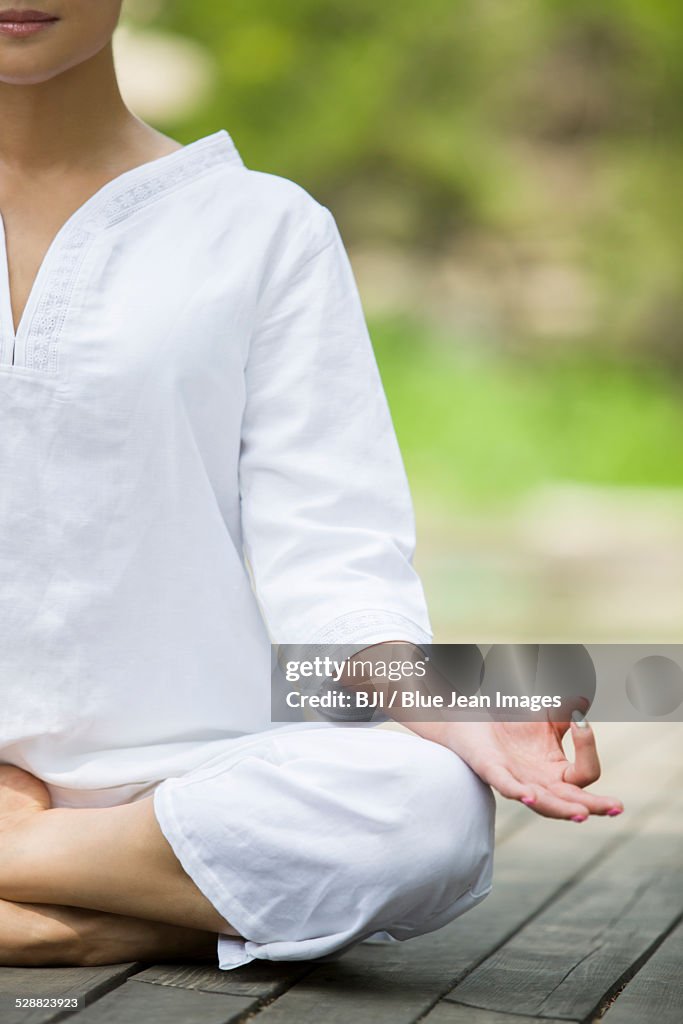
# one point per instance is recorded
(196, 452)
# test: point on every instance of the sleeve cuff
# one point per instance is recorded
(371, 626)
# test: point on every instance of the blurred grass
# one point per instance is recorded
(481, 427)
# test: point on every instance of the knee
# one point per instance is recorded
(448, 833)
(461, 808)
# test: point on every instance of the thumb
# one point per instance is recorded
(586, 766)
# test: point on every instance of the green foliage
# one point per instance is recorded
(485, 428)
(536, 122)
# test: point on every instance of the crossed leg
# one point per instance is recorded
(416, 820)
(84, 887)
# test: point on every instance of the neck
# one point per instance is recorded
(77, 116)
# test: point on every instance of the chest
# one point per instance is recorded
(145, 276)
(29, 229)
(130, 353)
(130, 296)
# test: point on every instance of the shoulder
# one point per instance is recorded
(281, 210)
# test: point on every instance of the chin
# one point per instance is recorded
(39, 64)
(32, 77)
(31, 70)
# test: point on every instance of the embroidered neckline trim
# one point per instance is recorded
(112, 204)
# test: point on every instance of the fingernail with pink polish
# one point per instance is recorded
(613, 811)
(578, 817)
(528, 800)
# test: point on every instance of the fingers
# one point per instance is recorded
(550, 804)
(562, 800)
(507, 785)
(586, 766)
(594, 804)
(537, 798)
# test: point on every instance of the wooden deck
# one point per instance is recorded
(585, 923)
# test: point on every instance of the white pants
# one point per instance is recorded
(309, 839)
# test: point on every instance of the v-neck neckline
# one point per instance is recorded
(33, 345)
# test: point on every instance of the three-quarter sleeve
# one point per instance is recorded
(327, 518)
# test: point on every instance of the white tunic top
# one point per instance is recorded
(190, 403)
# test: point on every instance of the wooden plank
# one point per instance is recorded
(377, 985)
(398, 983)
(656, 992)
(450, 1013)
(574, 954)
(373, 985)
(162, 1004)
(546, 856)
(262, 979)
(88, 983)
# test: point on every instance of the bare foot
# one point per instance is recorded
(33, 935)
(21, 796)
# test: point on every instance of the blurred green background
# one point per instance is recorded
(506, 175)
